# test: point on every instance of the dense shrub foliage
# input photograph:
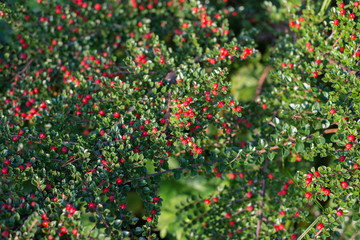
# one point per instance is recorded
(100, 98)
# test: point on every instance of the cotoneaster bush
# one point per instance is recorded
(98, 96)
(308, 115)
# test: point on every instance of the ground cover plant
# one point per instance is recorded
(179, 119)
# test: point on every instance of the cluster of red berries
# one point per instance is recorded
(296, 25)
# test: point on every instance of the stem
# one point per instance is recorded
(258, 229)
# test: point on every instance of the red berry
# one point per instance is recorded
(185, 25)
(232, 175)
(356, 4)
(352, 16)
(351, 138)
(341, 5)
(320, 226)
(336, 22)
(207, 201)
(344, 184)
(348, 146)
(116, 114)
(356, 166)
(63, 229)
(64, 149)
(4, 170)
(75, 231)
(308, 195)
(97, 6)
(281, 227)
(149, 219)
(5, 234)
(315, 74)
(291, 23)
(353, 36)
(42, 135)
(341, 158)
(332, 111)
(327, 192)
(339, 213)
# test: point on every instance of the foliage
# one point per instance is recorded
(105, 102)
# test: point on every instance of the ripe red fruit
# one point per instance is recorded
(351, 138)
(341, 5)
(348, 146)
(45, 223)
(91, 205)
(97, 6)
(352, 16)
(327, 192)
(185, 25)
(339, 213)
(315, 74)
(281, 226)
(199, 150)
(353, 36)
(149, 219)
(5, 234)
(64, 149)
(232, 175)
(207, 201)
(291, 23)
(341, 158)
(4, 170)
(116, 114)
(42, 135)
(336, 22)
(63, 229)
(344, 184)
(250, 208)
(308, 195)
(75, 231)
(356, 4)
(332, 111)
(356, 166)
(342, 11)
(282, 213)
(320, 226)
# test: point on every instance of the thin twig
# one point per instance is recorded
(258, 228)
(262, 80)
